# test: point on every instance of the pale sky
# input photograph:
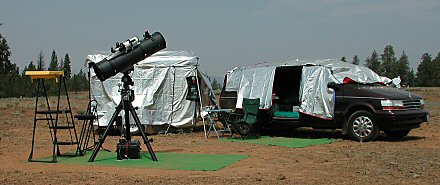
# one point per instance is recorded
(224, 33)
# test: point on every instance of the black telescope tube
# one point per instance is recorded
(108, 68)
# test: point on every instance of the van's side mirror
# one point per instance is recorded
(333, 85)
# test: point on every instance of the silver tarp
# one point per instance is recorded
(256, 82)
(315, 98)
(357, 73)
(160, 89)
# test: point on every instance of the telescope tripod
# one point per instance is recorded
(127, 96)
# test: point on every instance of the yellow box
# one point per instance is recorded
(44, 74)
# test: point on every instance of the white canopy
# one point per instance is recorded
(160, 88)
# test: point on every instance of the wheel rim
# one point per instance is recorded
(362, 126)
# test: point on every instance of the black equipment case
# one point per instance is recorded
(128, 149)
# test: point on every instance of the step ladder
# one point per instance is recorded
(59, 120)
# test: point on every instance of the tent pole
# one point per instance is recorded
(172, 100)
(200, 101)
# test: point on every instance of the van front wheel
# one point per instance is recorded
(362, 126)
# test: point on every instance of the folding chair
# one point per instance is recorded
(248, 124)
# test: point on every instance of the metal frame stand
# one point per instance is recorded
(88, 118)
(127, 96)
(53, 117)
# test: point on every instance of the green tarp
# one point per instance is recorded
(174, 161)
(281, 141)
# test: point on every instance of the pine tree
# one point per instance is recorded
(23, 73)
(61, 65)
(11, 69)
(9, 72)
(389, 63)
(4, 54)
(436, 66)
(53, 66)
(66, 66)
(31, 66)
(373, 62)
(40, 62)
(215, 85)
(79, 81)
(355, 60)
(402, 67)
(411, 78)
(6, 67)
(425, 71)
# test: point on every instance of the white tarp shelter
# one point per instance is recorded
(315, 98)
(160, 88)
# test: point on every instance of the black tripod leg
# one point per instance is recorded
(101, 140)
(144, 136)
(84, 133)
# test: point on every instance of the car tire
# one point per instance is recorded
(362, 126)
(398, 134)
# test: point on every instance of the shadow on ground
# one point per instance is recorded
(326, 133)
(303, 133)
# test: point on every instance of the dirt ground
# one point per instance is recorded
(412, 160)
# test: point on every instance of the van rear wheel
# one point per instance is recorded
(362, 126)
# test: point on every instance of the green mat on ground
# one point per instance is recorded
(174, 161)
(281, 141)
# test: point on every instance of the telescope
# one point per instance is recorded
(122, 59)
(128, 53)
